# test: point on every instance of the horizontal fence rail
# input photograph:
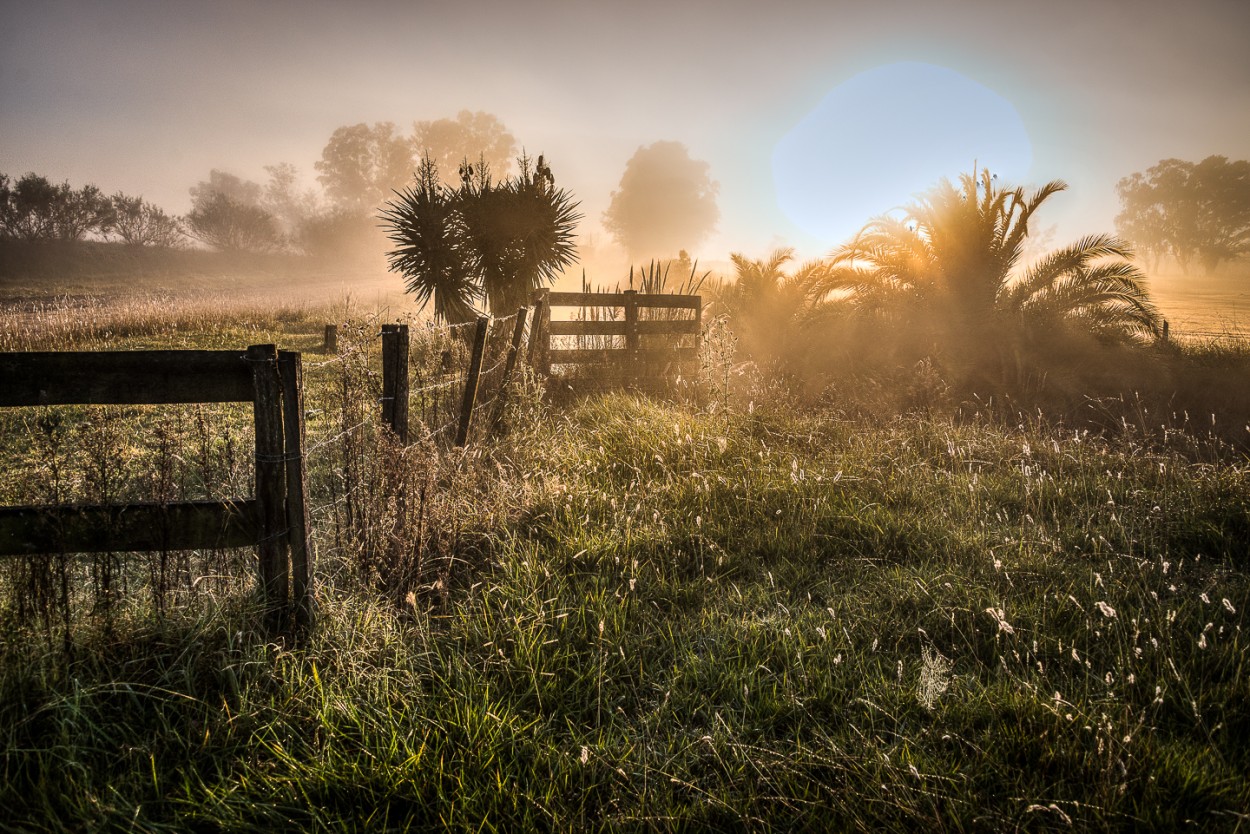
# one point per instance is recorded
(123, 528)
(627, 338)
(274, 521)
(621, 299)
(140, 377)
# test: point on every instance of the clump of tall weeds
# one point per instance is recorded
(405, 519)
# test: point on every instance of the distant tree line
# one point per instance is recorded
(1188, 212)
(33, 208)
(666, 200)
(360, 167)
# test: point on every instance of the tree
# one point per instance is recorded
(140, 223)
(955, 254)
(428, 234)
(283, 198)
(494, 240)
(518, 232)
(470, 136)
(33, 208)
(226, 213)
(241, 191)
(361, 165)
(226, 224)
(1188, 211)
(666, 202)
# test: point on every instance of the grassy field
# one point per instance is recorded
(749, 614)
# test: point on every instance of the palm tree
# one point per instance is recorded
(765, 303)
(957, 252)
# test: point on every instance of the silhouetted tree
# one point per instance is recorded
(666, 202)
(494, 240)
(1188, 211)
(477, 136)
(32, 208)
(228, 225)
(428, 233)
(519, 233)
(953, 257)
(140, 223)
(362, 164)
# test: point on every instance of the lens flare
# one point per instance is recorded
(887, 134)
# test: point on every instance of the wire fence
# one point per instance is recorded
(1234, 336)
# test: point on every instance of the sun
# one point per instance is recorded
(887, 134)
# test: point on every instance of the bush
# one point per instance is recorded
(229, 225)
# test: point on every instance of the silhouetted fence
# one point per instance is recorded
(275, 520)
(453, 378)
(627, 338)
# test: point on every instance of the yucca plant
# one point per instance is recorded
(497, 241)
(427, 229)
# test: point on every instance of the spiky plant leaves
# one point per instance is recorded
(765, 304)
(500, 241)
(519, 233)
(428, 232)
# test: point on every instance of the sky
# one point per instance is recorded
(789, 101)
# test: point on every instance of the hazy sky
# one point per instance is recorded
(147, 97)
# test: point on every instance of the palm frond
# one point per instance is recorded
(1054, 266)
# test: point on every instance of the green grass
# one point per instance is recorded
(662, 618)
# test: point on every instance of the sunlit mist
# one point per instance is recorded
(884, 135)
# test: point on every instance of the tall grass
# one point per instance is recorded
(636, 615)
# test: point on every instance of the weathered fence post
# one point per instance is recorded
(540, 328)
(270, 481)
(501, 399)
(331, 343)
(395, 379)
(698, 337)
(290, 369)
(1165, 331)
(630, 302)
(470, 383)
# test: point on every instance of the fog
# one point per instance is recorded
(147, 98)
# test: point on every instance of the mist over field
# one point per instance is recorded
(712, 416)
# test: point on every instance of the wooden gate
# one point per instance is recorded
(618, 339)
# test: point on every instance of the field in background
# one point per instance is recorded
(99, 276)
(1205, 304)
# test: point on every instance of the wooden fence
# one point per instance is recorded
(396, 385)
(628, 338)
(275, 521)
